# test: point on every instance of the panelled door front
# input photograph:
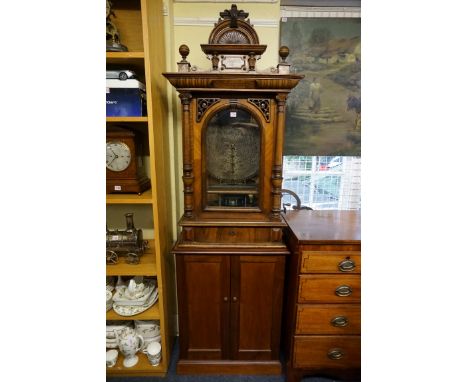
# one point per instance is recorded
(256, 302)
(231, 308)
(204, 306)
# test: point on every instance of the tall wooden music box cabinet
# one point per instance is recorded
(230, 254)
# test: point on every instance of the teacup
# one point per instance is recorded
(148, 340)
(111, 357)
(153, 352)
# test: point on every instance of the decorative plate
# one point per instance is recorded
(131, 310)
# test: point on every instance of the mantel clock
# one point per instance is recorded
(124, 163)
(230, 253)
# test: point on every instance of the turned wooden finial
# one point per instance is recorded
(284, 52)
(184, 52)
(184, 65)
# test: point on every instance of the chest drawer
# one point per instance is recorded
(333, 289)
(327, 351)
(331, 262)
(328, 319)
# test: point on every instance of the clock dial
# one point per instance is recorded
(118, 156)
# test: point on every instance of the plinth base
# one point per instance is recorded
(229, 367)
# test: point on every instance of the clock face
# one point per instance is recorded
(118, 156)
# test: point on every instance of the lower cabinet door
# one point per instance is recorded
(203, 284)
(230, 306)
(256, 305)
(327, 351)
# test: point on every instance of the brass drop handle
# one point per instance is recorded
(339, 321)
(225, 298)
(335, 354)
(343, 291)
(234, 299)
(347, 265)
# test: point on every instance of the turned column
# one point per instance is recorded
(277, 170)
(187, 155)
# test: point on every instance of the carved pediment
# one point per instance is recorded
(233, 46)
(233, 28)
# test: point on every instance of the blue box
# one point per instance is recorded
(125, 98)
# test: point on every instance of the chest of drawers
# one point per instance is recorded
(322, 322)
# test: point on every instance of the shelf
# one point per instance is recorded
(143, 367)
(127, 60)
(144, 198)
(116, 57)
(147, 266)
(150, 314)
(126, 119)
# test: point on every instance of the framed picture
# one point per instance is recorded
(323, 114)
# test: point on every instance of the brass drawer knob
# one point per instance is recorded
(347, 265)
(343, 291)
(339, 321)
(335, 354)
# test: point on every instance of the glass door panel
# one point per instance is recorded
(232, 160)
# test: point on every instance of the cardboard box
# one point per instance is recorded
(125, 98)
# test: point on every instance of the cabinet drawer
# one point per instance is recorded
(321, 288)
(331, 262)
(231, 234)
(327, 351)
(328, 319)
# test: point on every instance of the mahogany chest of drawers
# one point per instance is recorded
(322, 322)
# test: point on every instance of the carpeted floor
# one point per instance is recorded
(173, 377)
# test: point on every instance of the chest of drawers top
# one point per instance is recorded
(325, 227)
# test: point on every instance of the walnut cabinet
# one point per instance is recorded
(230, 252)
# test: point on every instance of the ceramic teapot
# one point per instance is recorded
(129, 344)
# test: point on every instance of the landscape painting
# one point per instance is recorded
(323, 114)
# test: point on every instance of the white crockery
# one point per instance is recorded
(148, 340)
(122, 297)
(153, 348)
(129, 344)
(153, 352)
(148, 331)
(154, 361)
(108, 300)
(147, 325)
(130, 310)
(111, 357)
(116, 326)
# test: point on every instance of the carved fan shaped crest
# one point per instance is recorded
(233, 28)
(233, 37)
